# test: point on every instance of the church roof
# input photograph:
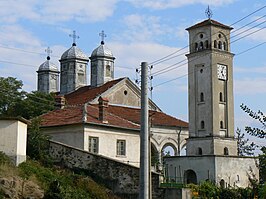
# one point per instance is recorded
(157, 118)
(117, 116)
(74, 115)
(102, 51)
(74, 52)
(48, 65)
(88, 93)
(209, 22)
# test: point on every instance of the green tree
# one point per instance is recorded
(243, 146)
(11, 93)
(15, 102)
(37, 142)
(35, 104)
(259, 133)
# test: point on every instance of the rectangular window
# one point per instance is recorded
(93, 144)
(121, 147)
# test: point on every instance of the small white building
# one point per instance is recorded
(13, 138)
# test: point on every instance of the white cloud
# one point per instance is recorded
(165, 4)
(250, 86)
(22, 53)
(253, 70)
(145, 28)
(53, 11)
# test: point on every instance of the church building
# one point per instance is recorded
(211, 146)
(104, 117)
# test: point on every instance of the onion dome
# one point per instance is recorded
(48, 65)
(102, 51)
(74, 53)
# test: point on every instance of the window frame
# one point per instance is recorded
(121, 147)
(95, 148)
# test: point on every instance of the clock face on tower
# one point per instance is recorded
(221, 71)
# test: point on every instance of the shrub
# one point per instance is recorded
(4, 159)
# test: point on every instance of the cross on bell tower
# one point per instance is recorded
(208, 12)
(74, 36)
(103, 35)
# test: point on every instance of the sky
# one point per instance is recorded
(137, 31)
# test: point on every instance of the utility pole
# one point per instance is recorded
(144, 136)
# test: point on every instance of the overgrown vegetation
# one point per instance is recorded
(57, 183)
(209, 190)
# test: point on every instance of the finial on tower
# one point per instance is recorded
(103, 35)
(49, 52)
(74, 36)
(208, 13)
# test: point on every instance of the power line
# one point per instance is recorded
(168, 56)
(169, 68)
(210, 65)
(26, 51)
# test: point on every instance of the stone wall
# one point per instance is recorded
(122, 178)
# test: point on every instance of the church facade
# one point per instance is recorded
(211, 146)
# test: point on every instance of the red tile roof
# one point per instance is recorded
(74, 115)
(209, 22)
(88, 93)
(119, 116)
(158, 118)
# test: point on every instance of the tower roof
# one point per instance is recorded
(102, 51)
(48, 65)
(74, 52)
(209, 22)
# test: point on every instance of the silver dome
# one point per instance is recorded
(102, 50)
(47, 65)
(74, 52)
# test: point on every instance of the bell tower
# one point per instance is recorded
(210, 80)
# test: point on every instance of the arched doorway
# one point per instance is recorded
(190, 177)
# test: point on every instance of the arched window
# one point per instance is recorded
(196, 46)
(199, 151)
(108, 71)
(201, 45)
(225, 46)
(201, 97)
(226, 151)
(220, 45)
(221, 124)
(206, 44)
(202, 125)
(222, 183)
(221, 97)
(215, 44)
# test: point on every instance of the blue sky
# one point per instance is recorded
(137, 30)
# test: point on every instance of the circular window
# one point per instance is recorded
(125, 92)
(201, 36)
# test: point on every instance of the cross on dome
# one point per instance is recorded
(103, 35)
(49, 52)
(74, 36)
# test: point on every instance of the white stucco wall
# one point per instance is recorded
(108, 143)
(13, 139)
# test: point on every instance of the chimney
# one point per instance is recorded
(103, 105)
(60, 102)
